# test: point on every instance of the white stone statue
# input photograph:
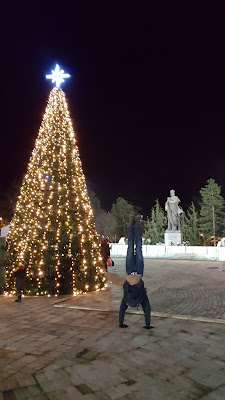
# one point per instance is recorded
(173, 212)
(122, 240)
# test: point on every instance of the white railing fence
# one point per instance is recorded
(173, 252)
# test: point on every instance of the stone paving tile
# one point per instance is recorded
(194, 302)
(58, 395)
(75, 354)
(188, 288)
(22, 394)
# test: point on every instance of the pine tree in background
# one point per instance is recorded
(189, 222)
(52, 232)
(105, 224)
(211, 209)
(193, 235)
(95, 203)
(184, 226)
(155, 227)
(122, 212)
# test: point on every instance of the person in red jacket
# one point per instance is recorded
(20, 275)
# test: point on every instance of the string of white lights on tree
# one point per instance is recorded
(52, 232)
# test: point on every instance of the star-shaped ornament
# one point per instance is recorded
(57, 76)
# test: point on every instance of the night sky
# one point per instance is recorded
(146, 93)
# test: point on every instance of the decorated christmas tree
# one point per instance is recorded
(52, 232)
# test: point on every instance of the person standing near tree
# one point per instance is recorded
(20, 275)
(134, 292)
(105, 251)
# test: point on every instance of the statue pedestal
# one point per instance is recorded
(172, 238)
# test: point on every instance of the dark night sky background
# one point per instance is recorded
(146, 93)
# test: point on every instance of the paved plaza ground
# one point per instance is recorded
(71, 347)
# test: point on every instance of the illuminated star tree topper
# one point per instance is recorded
(57, 76)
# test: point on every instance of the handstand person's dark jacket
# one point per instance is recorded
(133, 296)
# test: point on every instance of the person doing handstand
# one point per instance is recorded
(134, 292)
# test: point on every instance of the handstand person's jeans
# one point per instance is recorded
(134, 259)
